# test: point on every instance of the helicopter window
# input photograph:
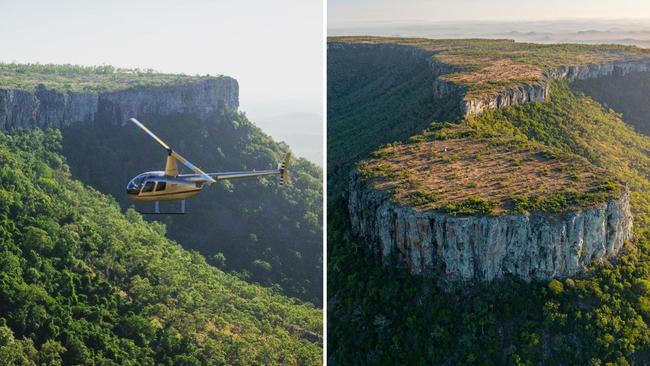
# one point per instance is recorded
(148, 187)
(161, 186)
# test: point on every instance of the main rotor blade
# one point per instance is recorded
(193, 167)
(174, 154)
(161, 142)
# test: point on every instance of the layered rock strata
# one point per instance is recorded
(510, 96)
(537, 246)
(43, 108)
(537, 92)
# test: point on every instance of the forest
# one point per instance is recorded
(625, 94)
(257, 229)
(368, 90)
(78, 78)
(380, 314)
(83, 282)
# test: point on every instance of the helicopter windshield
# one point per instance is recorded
(136, 184)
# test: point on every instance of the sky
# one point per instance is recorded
(348, 13)
(273, 48)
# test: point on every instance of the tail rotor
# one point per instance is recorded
(284, 169)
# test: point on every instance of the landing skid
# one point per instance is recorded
(156, 210)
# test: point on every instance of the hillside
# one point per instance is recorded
(83, 283)
(626, 95)
(268, 233)
(556, 158)
(367, 91)
(262, 232)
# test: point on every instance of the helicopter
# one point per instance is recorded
(170, 185)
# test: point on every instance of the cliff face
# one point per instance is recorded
(537, 92)
(48, 108)
(515, 95)
(533, 247)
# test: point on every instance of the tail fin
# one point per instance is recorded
(284, 169)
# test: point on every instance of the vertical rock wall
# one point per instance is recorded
(43, 108)
(538, 246)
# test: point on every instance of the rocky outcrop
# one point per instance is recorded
(535, 246)
(511, 96)
(537, 92)
(49, 108)
(532, 247)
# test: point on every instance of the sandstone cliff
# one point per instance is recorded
(49, 108)
(510, 96)
(538, 91)
(533, 247)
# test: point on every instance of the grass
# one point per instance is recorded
(515, 176)
(472, 206)
(566, 152)
(563, 162)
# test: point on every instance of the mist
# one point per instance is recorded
(274, 49)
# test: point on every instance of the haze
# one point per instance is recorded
(274, 49)
(349, 13)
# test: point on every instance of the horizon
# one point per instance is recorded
(349, 12)
(544, 31)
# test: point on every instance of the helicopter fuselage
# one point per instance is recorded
(156, 186)
(169, 185)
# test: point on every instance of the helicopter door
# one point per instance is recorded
(148, 187)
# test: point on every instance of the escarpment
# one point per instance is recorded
(42, 107)
(463, 199)
(535, 246)
(461, 71)
(481, 209)
(538, 91)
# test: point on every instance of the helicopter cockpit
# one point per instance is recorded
(144, 180)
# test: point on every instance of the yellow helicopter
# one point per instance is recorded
(169, 185)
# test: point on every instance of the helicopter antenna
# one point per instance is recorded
(174, 154)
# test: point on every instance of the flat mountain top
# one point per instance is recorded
(484, 65)
(464, 176)
(76, 78)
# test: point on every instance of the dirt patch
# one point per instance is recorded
(503, 71)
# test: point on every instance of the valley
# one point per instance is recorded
(88, 280)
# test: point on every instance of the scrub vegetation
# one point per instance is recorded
(499, 175)
(76, 78)
(488, 66)
(381, 314)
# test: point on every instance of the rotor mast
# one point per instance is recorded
(171, 169)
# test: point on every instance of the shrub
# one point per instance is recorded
(471, 206)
